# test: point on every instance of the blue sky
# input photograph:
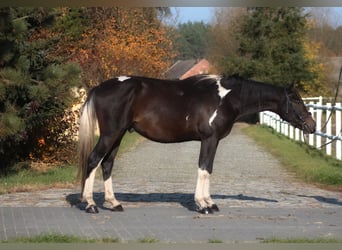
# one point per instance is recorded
(205, 14)
(194, 14)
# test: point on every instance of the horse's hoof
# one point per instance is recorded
(206, 210)
(214, 208)
(92, 209)
(117, 208)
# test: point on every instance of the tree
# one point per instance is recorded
(223, 43)
(34, 87)
(134, 44)
(40, 57)
(324, 29)
(271, 48)
(192, 40)
(116, 41)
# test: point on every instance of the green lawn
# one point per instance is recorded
(302, 240)
(309, 164)
(59, 238)
(58, 176)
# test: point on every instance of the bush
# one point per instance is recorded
(35, 92)
(37, 122)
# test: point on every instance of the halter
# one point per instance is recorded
(290, 105)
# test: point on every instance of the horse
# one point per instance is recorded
(202, 108)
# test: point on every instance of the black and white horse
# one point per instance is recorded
(202, 108)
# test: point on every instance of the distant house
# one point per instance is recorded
(185, 68)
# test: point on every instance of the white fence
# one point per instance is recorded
(328, 126)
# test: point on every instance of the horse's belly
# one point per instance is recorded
(165, 130)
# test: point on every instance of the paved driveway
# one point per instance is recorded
(155, 182)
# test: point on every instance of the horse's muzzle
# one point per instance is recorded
(309, 125)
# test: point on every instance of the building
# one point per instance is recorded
(185, 68)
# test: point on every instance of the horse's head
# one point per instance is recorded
(295, 112)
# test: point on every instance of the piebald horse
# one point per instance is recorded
(202, 108)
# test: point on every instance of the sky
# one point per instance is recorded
(205, 14)
(194, 14)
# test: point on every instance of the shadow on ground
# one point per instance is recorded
(185, 199)
(333, 201)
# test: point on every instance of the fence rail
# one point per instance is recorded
(328, 135)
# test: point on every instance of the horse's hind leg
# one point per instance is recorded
(97, 156)
(87, 194)
(107, 166)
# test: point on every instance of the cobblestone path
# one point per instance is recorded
(155, 183)
(154, 174)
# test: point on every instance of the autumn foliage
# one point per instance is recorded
(143, 53)
(118, 41)
(46, 54)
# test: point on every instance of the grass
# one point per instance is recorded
(59, 238)
(215, 241)
(31, 179)
(62, 238)
(148, 239)
(129, 141)
(59, 176)
(50, 238)
(306, 162)
(302, 240)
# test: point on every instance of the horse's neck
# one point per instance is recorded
(260, 98)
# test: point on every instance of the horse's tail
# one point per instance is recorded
(86, 134)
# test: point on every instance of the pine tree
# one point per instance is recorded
(192, 40)
(34, 88)
(271, 47)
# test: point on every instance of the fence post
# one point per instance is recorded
(277, 122)
(328, 128)
(311, 136)
(261, 117)
(286, 129)
(338, 122)
(291, 132)
(297, 134)
(272, 121)
(320, 100)
(319, 125)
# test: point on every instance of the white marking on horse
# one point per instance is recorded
(123, 78)
(109, 193)
(88, 188)
(222, 91)
(89, 185)
(202, 194)
(187, 118)
(212, 117)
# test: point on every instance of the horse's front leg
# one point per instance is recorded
(202, 195)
